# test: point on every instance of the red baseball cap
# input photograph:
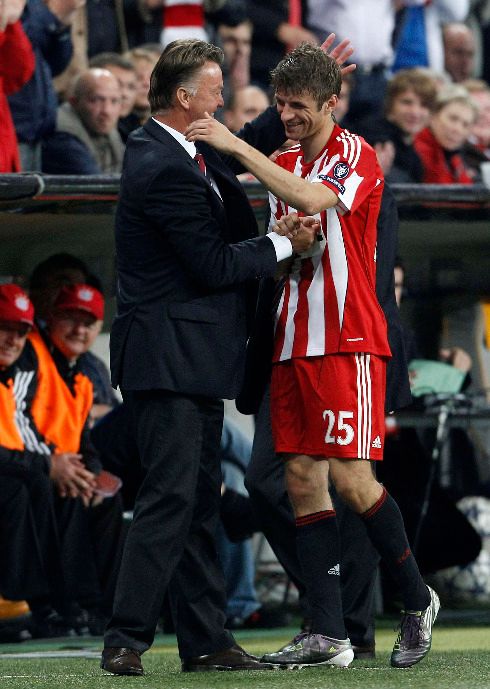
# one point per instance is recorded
(82, 298)
(15, 305)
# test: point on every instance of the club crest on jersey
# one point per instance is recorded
(341, 170)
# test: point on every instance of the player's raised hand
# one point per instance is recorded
(341, 53)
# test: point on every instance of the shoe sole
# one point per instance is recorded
(127, 673)
(228, 668)
(342, 660)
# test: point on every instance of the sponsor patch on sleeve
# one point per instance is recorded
(332, 180)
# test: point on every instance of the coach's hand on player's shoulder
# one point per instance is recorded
(301, 232)
(213, 133)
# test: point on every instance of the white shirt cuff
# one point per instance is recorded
(282, 246)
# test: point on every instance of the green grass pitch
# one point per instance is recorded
(460, 659)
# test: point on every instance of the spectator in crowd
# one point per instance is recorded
(244, 106)
(477, 149)
(62, 417)
(182, 20)
(55, 557)
(124, 71)
(439, 145)
(45, 283)
(369, 26)
(419, 41)
(34, 107)
(277, 27)
(31, 561)
(234, 35)
(97, 27)
(459, 51)
(143, 61)
(16, 68)
(409, 101)
(86, 140)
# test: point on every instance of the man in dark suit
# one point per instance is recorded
(187, 257)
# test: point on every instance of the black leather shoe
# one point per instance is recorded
(364, 652)
(121, 661)
(234, 658)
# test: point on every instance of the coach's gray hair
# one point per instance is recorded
(178, 67)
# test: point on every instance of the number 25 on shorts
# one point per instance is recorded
(338, 431)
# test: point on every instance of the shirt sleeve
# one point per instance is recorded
(282, 246)
(352, 172)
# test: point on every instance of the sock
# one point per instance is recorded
(384, 524)
(317, 542)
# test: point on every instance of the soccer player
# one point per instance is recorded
(330, 352)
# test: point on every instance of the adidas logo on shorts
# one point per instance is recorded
(334, 570)
(377, 442)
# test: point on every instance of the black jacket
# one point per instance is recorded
(185, 259)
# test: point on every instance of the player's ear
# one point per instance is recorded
(331, 103)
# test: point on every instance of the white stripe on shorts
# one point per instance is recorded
(364, 405)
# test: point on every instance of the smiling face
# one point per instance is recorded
(12, 340)
(207, 95)
(302, 119)
(73, 332)
(409, 113)
(452, 124)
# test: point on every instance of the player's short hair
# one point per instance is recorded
(178, 66)
(415, 80)
(307, 69)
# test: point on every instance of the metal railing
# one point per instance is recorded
(30, 189)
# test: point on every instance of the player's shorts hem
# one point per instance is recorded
(320, 454)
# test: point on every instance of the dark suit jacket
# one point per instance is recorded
(184, 258)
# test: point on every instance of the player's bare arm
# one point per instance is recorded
(305, 196)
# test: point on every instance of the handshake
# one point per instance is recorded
(301, 231)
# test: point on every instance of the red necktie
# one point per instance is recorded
(199, 158)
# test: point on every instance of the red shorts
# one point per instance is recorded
(329, 406)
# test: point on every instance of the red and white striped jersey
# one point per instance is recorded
(329, 302)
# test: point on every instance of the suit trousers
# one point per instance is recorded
(266, 485)
(171, 540)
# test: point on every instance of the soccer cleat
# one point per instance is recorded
(307, 650)
(415, 636)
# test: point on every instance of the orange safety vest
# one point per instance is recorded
(59, 414)
(9, 433)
